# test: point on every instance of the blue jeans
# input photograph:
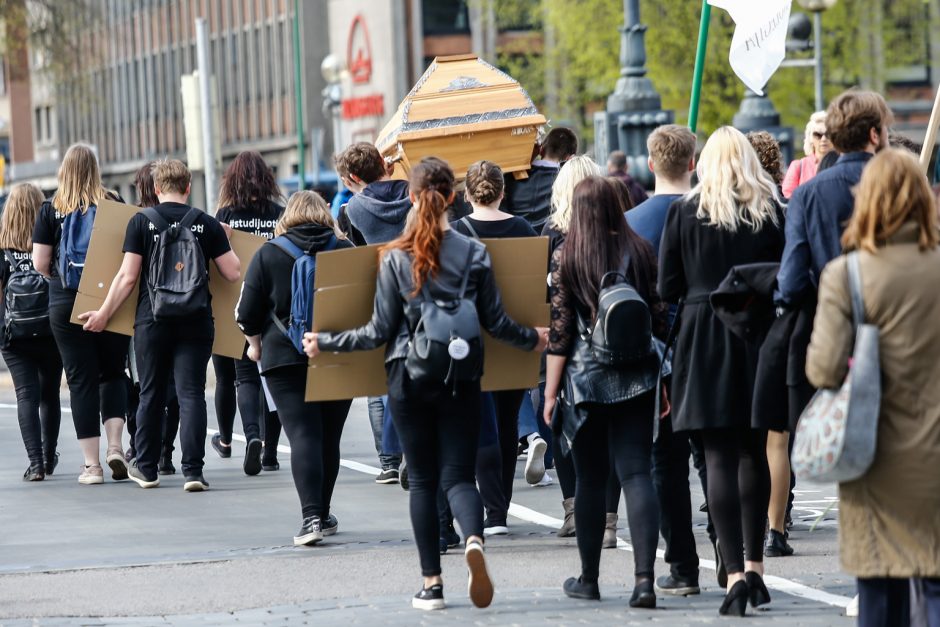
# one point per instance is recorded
(383, 433)
(530, 420)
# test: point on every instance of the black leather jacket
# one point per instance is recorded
(396, 312)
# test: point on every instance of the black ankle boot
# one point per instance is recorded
(578, 589)
(735, 602)
(643, 595)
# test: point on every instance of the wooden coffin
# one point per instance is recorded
(463, 110)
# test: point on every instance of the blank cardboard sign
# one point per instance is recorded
(104, 260)
(345, 282)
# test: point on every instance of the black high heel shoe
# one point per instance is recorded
(757, 591)
(735, 602)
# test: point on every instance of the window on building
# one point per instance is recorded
(3, 77)
(37, 124)
(907, 40)
(445, 17)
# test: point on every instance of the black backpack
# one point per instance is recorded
(447, 346)
(26, 302)
(622, 333)
(178, 279)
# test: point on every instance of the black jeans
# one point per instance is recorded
(94, 370)
(738, 492)
(622, 433)
(439, 435)
(36, 369)
(671, 452)
(314, 430)
(171, 423)
(499, 467)
(182, 349)
(239, 379)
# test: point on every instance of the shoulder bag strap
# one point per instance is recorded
(466, 222)
(13, 261)
(154, 216)
(190, 218)
(287, 246)
(855, 289)
(466, 272)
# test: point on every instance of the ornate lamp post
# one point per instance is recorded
(635, 108)
(816, 7)
(332, 69)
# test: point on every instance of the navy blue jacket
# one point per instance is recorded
(816, 216)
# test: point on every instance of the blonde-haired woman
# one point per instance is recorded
(815, 146)
(889, 519)
(731, 217)
(572, 172)
(94, 362)
(26, 343)
(314, 429)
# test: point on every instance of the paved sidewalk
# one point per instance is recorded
(538, 606)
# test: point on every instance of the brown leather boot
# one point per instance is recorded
(610, 532)
(567, 528)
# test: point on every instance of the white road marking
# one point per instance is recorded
(530, 515)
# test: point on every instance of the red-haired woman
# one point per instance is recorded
(249, 201)
(438, 423)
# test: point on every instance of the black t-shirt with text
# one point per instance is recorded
(141, 239)
(259, 219)
(494, 229)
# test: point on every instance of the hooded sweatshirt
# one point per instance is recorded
(267, 288)
(379, 211)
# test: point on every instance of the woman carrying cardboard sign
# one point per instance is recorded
(434, 291)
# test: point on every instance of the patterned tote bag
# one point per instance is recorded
(836, 436)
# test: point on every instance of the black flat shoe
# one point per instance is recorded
(252, 464)
(51, 463)
(735, 602)
(577, 589)
(224, 451)
(35, 472)
(643, 595)
(270, 465)
(759, 595)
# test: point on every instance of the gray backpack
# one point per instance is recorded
(447, 345)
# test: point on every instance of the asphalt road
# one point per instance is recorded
(116, 554)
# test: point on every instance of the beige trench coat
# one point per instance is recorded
(889, 519)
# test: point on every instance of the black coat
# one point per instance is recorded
(712, 369)
(781, 391)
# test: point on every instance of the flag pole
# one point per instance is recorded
(931, 138)
(699, 64)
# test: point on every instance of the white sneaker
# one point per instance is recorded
(479, 586)
(496, 530)
(851, 610)
(546, 481)
(535, 460)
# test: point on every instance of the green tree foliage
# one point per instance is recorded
(55, 31)
(578, 65)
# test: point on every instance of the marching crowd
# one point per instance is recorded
(653, 355)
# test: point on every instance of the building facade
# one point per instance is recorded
(128, 103)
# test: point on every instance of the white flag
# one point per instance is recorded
(760, 37)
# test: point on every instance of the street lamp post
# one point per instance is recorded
(635, 107)
(799, 29)
(332, 70)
